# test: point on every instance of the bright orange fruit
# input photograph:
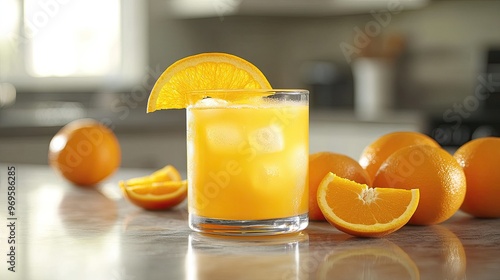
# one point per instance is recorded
(85, 152)
(323, 162)
(480, 159)
(438, 176)
(162, 189)
(359, 210)
(378, 151)
(206, 71)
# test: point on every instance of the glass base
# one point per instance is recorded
(248, 227)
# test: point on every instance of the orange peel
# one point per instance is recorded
(359, 210)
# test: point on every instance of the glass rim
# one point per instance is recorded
(258, 91)
(241, 96)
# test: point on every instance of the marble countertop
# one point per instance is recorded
(67, 232)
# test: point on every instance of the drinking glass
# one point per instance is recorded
(248, 161)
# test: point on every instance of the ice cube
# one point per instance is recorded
(267, 139)
(298, 164)
(266, 177)
(281, 175)
(224, 137)
(211, 102)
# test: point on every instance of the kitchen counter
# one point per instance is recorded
(67, 232)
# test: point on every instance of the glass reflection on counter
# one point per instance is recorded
(271, 257)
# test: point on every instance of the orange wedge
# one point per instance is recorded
(206, 71)
(161, 189)
(156, 196)
(167, 173)
(359, 210)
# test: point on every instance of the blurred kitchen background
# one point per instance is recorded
(372, 66)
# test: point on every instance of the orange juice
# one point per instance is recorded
(248, 161)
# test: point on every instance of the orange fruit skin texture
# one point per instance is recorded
(480, 159)
(378, 151)
(435, 172)
(85, 152)
(341, 165)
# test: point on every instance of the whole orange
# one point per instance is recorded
(379, 150)
(480, 159)
(323, 162)
(435, 172)
(85, 152)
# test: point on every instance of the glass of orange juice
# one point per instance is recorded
(248, 161)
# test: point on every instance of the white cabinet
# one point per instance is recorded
(350, 138)
(154, 150)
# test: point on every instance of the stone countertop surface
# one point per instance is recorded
(66, 232)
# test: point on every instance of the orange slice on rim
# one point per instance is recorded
(162, 189)
(359, 210)
(206, 71)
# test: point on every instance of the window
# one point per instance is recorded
(58, 44)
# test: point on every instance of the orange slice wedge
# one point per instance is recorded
(359, 210)
(161, 189)
(167, 173)
(156, 196)
(206, 71)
